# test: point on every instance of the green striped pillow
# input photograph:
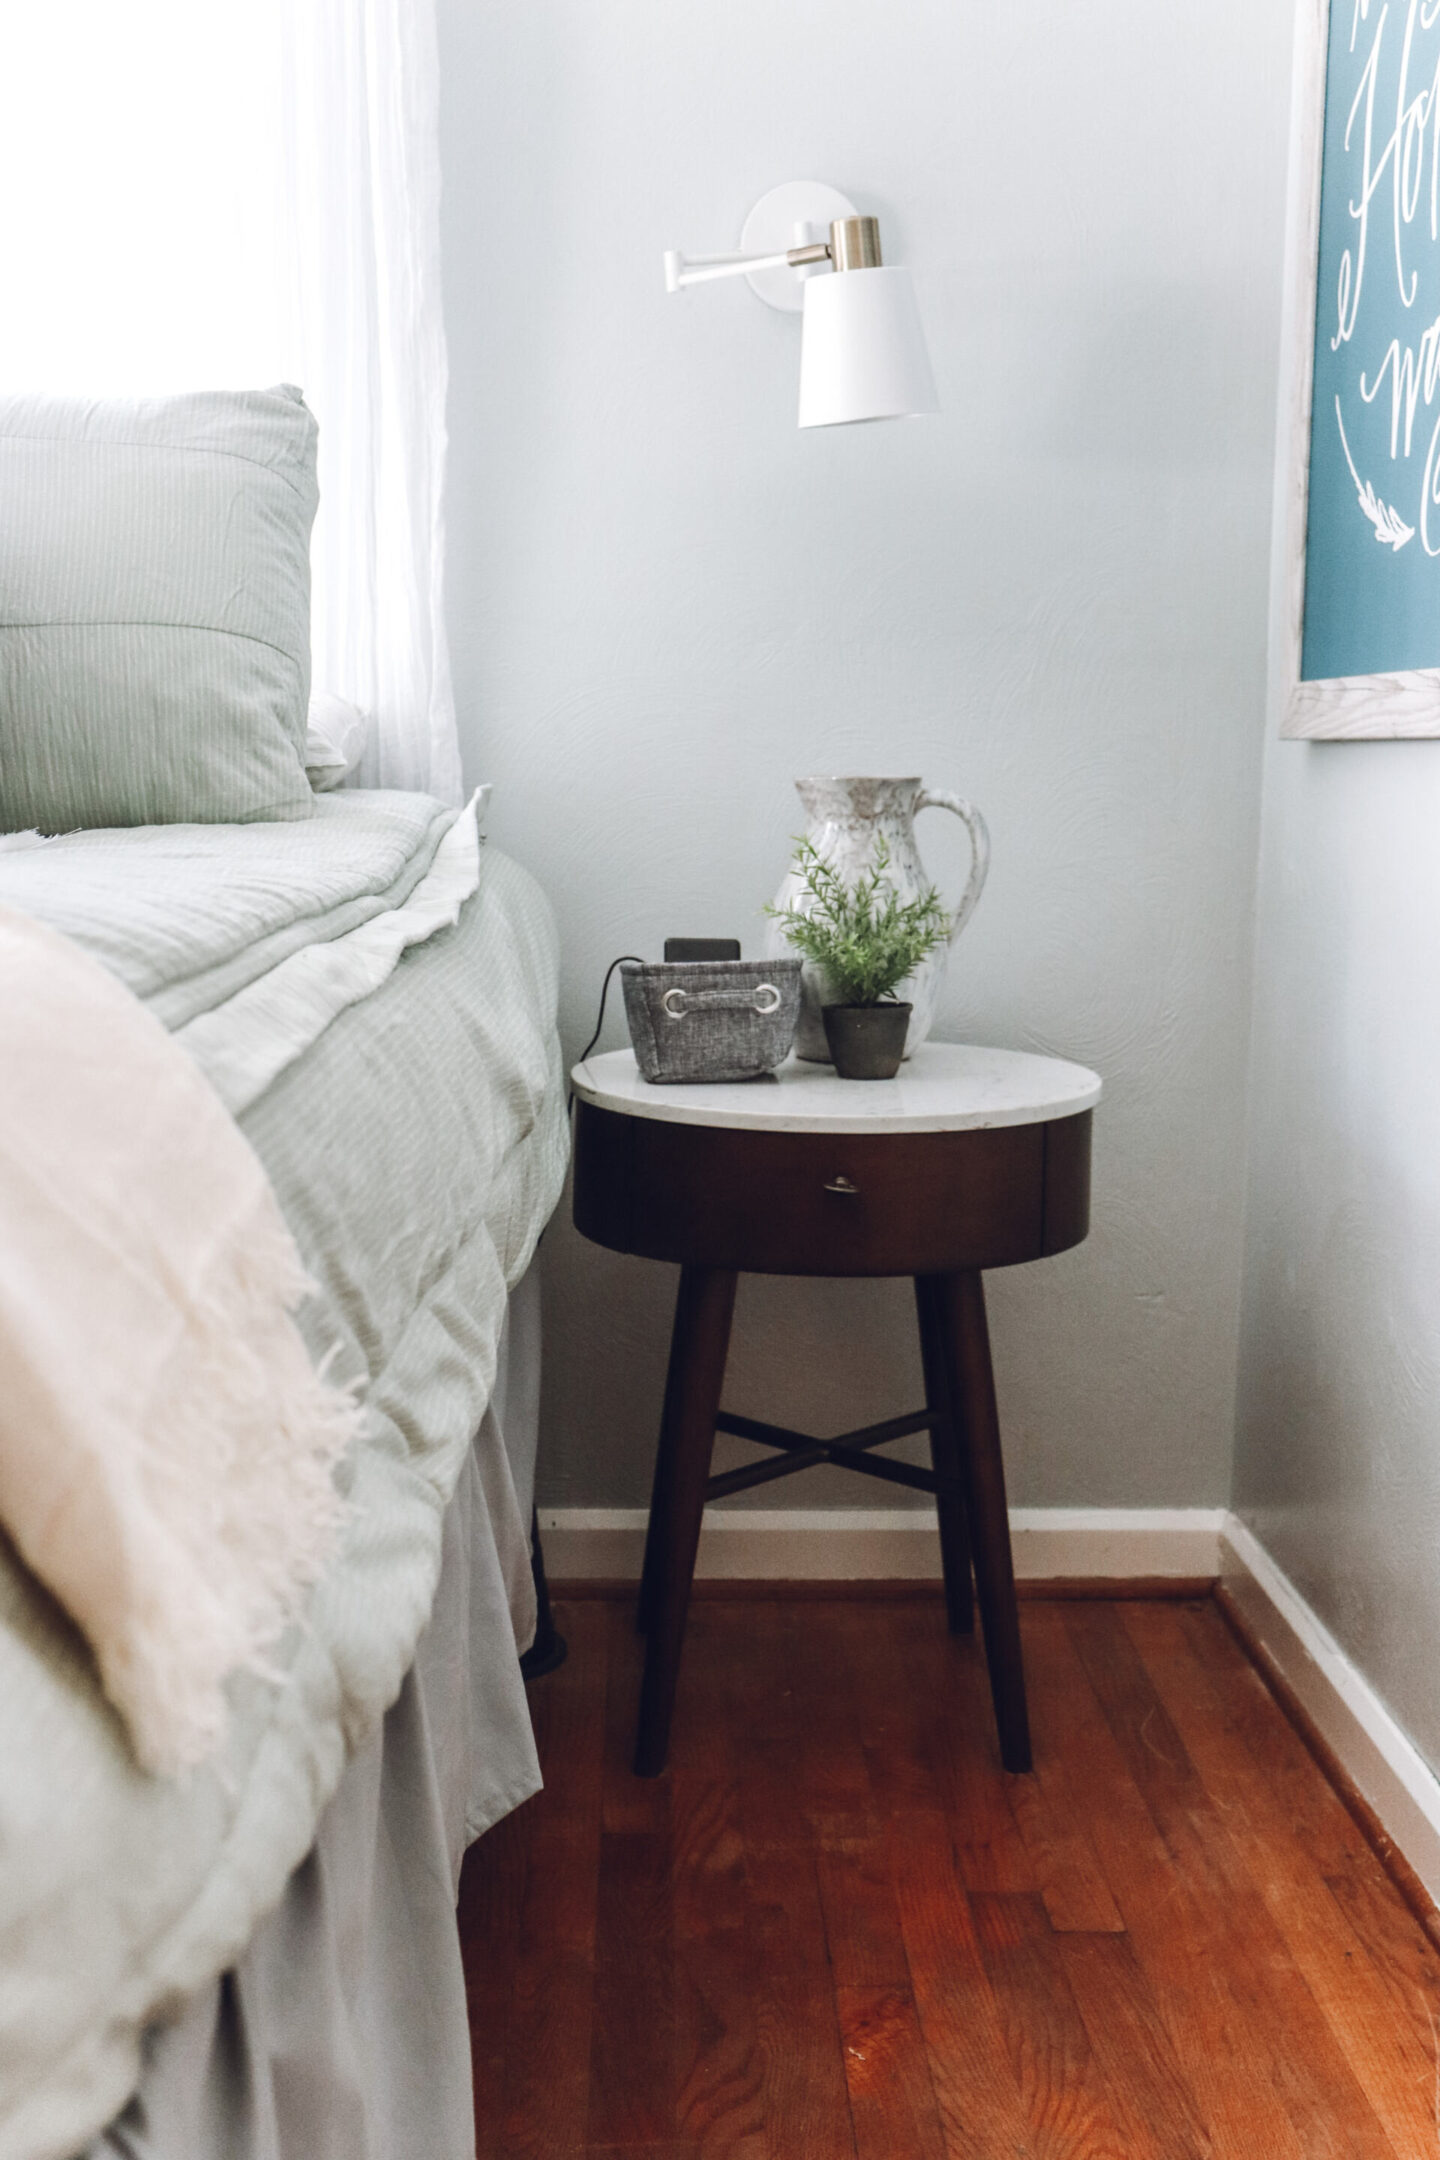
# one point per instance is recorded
(155, 609)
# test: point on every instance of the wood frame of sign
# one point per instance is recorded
(1404, 702)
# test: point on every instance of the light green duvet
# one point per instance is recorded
(417, 1149)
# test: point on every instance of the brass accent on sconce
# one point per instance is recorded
(855, 243)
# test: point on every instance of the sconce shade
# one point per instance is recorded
(862, 350)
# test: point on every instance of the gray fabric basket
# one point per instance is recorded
(711, 1019)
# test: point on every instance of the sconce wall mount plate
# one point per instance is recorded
(787, 217)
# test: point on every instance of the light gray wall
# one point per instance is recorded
(1338, 1450)
(665, 603)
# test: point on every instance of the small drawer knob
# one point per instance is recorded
(840, 1184)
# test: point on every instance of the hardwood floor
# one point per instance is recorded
(836, 1930)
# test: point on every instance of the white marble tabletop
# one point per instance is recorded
(944, 1087)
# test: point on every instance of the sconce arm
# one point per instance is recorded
(682, 270)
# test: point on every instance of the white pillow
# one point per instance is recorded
(336, 735)
(154, 608)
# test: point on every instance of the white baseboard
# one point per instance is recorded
(851, 1544)
(1374, 1753)
(1103, 1544)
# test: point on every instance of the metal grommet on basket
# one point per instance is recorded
(674, 1004)
(770, 996)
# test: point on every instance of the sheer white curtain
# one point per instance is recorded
(228, 193)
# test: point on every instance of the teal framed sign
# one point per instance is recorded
(1356, 605)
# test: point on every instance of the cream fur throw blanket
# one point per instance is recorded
(166, 1446)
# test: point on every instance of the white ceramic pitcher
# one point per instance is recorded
(846, 817)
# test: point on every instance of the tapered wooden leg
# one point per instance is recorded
(698, 1345)
(659, 1506)
(645, 1602)
(946, 1456)
(960, 1300)
(661, 1485)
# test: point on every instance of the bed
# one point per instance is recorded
(258, 1960)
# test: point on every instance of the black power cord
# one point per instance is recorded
(604, 993)
(600, 1022)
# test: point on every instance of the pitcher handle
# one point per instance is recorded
(940, 799)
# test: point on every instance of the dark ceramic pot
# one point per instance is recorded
(866, 1042)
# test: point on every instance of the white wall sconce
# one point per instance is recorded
(862, 350)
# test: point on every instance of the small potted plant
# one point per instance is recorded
(864, 940)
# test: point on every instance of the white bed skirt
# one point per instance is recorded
(342, 2033)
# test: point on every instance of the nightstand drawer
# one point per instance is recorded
(820, 1204)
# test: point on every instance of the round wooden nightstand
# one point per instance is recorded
(970, 1159)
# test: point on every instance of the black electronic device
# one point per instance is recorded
(702, 948)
